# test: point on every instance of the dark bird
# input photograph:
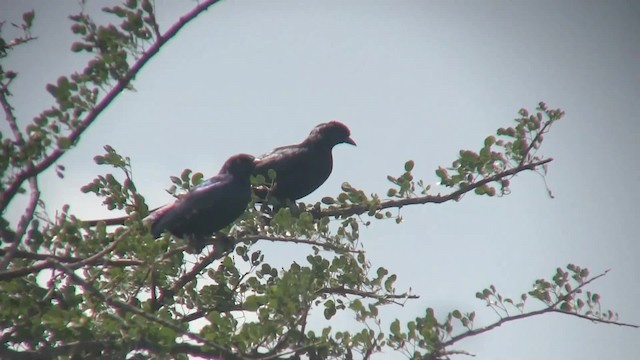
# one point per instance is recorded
(211, 205)
(302, 168)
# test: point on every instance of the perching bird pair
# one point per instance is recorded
(220, 200)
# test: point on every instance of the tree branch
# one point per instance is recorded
(220, 250)
(26, 218)
(12, 274)
(436, 199)
(122, 83)
(24, 222)
(594, 319)
(20, 254)
(49, 261)
(186, 278)
(19, 41)
(53, 352)
(255, 238)
(365, 294)
(129, 308)
(204, 311)
(95, 257)
(535, 139)
(9, 116)
(549, 309)
(347, 211)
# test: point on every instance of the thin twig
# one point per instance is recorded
(19, 41)
(288, 352)
(365, 294)
(94, 346)
(48, 263)
(203, 312)
(533, 142)
(26, 218)
(186, 278)
(255, 238)
(594, 319)
(71, 259)
(93, 258)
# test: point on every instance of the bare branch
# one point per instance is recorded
(19, 41)
(596, 320)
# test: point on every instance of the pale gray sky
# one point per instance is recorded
(413, 80)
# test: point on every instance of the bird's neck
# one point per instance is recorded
(320, 146)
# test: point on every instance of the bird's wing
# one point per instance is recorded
(211, 183)
(200, 197)
(271, 159)
(206, 193)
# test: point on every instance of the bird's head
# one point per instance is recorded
(331, 133)
(240, 165)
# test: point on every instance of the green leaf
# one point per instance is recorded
(395, 327)
(64, 143)
(146, 6)
(388, 284)
(131, 4)
(185, 175)
(490, 140)
(329, 309)
(408, 166)
(196, 179)
(327, 200)
(346, 187)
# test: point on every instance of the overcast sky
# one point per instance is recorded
(413, 80)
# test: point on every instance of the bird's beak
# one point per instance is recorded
(350, 141)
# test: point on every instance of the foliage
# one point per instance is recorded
(79, 290)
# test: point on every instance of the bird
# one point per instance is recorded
(301, 168)
(210, 206)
